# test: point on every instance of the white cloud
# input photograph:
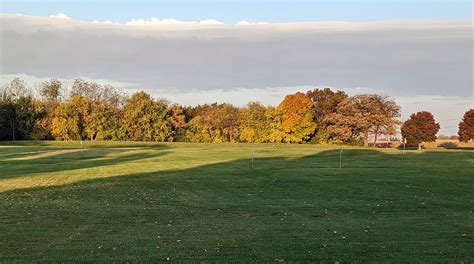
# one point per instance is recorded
(108, 22)
(61, 16)
(246, 23)
(171, 21)
(157, 21)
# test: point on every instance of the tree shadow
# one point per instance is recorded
(13, 165)
(371, 206)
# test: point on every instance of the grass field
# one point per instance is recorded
(138, 202)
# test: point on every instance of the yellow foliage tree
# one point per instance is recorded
(297, 118)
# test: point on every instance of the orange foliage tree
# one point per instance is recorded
(297, 118)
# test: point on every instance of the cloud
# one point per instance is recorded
(157, 21)
(171, 21)
(60, 16)
(108, 22)
(398, 58)
(246, 23)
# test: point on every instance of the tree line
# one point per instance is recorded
(90, 111)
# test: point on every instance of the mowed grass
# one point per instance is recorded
(151, 202)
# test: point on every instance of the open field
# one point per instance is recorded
(140, 202)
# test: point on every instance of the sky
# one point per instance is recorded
(418, 52)
(232, 11)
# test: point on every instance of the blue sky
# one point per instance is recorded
(232, 11)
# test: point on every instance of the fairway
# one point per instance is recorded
(186, 202)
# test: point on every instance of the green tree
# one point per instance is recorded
(420, 127)
(8, 119)
(18, 113)
(103, 122)
(26, 115)
(146, 119)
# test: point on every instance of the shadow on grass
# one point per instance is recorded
(377, 207)
(13, 165)
(85, 144)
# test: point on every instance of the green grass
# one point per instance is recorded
(149, 202)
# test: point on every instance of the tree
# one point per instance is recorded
(17, 88)
(26, 115)
(146, 119)
(103, 122)
(51, 90)
(177, 120)
(274, 117)
(254, 124)
(96, 92)
(228, 122)
(18, 113)
(69, 118)
(466, 126)
(420, 127)
(361, 115)
(214, 123)
(297, 117)
(8, 120)
(325, 102)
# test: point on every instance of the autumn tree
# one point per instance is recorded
(214, 123)
(420, 127)
(297, 118)
(361, 115)
(228, 122)
(50, 92)
(325, 102)
(146, 119)
(466, 126)
(177, 120)
(254, 124)
(70, 117)
(274, 117)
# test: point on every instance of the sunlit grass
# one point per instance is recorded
(149, 202)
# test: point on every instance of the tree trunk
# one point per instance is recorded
(375, 138)
(366, 138)
(376, 134)
(12, 126)
(419, 146)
